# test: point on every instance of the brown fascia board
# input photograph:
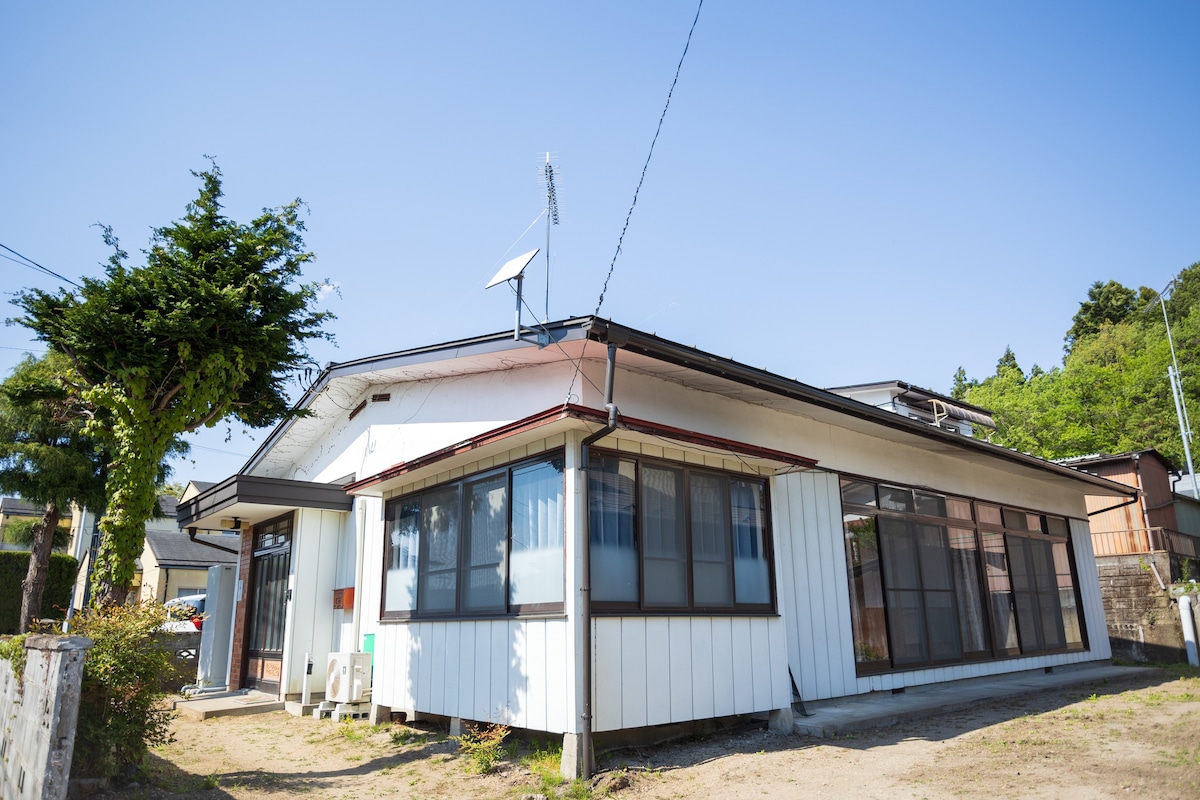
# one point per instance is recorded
(262, 491)
(691, 358)
(572, 411)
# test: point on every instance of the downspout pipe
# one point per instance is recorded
(213, 545)
(586, 753)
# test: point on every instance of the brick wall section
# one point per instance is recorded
(38, 715)
(1143, 620)
(237, 669)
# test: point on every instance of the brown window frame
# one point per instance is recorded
(460, 611)
(641, 607)
(1021, 516)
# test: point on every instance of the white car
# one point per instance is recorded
(185, 614)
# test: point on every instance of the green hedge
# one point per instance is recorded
(14, 565)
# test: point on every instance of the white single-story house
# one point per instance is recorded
(607, 531)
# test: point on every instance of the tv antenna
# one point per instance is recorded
(548, 178)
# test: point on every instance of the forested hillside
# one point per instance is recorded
(1111, 393)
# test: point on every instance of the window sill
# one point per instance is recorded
(554, 614)
(679, 612)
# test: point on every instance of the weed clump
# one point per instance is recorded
(483, 745)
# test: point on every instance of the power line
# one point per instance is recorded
(645, 167)
(649, 155)
(29, 262)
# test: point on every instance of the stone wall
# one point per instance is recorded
(1143, 619)
(38, 713)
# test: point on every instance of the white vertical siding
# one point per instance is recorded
(654, 670)
(316, 539)
(704, 699)
(814, 594)
(488, 670)
(1089, 589)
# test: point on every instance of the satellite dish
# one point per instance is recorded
(512, 268)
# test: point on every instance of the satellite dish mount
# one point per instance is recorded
(514, 270)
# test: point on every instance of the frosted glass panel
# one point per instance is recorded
(751, 574)
(400, 588)
(613, 548)
(536, 560)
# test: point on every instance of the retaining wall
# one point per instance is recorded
(1142, 617)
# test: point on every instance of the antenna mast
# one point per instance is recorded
(548, 179)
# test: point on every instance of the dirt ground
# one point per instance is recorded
(1139, 737)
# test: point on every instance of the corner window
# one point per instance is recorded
(928, 585)
(484, 545)
(671, 538)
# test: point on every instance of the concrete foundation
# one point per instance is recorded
(380, 715)
(781, 720)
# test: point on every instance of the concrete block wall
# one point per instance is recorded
(38, 715)
(1142, 618)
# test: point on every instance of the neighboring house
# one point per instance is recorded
(85, 544)
(1141, 546)
(746, 533)
(916, 403)
(1159, 520)
(175, 565)
(17, 508)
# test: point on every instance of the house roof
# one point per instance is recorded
(168, 503)
(341, 387)
(20, 507)
(1095, 459)
(925, 399)
(178, 551)
(248, 499)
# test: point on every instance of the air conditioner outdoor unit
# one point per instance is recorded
(348, 679)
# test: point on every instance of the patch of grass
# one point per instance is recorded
(211, 781)
(351, 731)
(403, 736)
(545, 764)
(578, 790)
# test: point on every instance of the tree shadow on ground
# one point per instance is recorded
(166, 779)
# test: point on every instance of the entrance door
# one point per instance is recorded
(268, 603)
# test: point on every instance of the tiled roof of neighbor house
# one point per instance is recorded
(178, 550)
(168, 503)
(20, 507)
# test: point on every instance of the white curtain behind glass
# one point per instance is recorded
(536, 558)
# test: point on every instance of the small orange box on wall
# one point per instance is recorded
(343, 598)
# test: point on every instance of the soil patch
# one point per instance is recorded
(1134, 738)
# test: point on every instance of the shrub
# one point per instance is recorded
(483, 745)
(12, 648)
(60, 582)
(124, 677)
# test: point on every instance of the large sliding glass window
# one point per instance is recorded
(488, 544)
(931, 585)
(670, 537)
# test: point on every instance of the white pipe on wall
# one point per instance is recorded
(1188, 623)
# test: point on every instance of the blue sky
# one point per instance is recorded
(841, 193)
